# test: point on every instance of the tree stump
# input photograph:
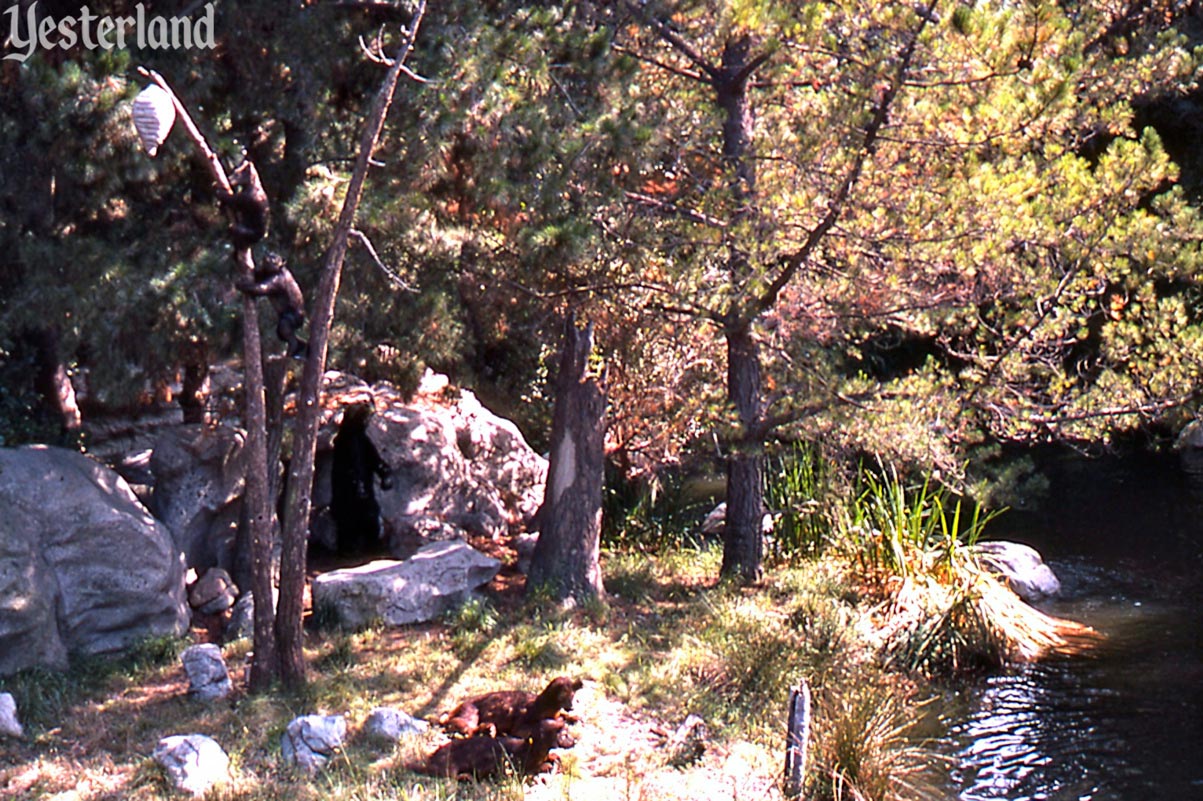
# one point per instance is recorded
(565, 562)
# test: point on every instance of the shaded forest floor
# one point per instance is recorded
(669, 643)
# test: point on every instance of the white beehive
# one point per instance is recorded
(154, 114)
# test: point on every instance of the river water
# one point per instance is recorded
(1126, 724)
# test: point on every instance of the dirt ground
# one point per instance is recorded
(620, 756)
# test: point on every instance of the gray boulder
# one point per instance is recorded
(193, 762)
(715, 522)
(439, 577)
(9, 725)
(1190, 454)
(1021, 565)
(205, 667)
(199, 476)
(310, 741)
(84, 567)
(457, 467)
(499, 457)
(1191, 436)
(389, 725)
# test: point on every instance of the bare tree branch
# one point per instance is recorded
(684, 73)
(389, 272)
(198, 139)
(1118, 411)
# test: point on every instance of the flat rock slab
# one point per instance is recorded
(439, 577)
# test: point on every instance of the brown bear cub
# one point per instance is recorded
(511, 712)
(482, 757)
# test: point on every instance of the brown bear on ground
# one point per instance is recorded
(482, 757)
(510, 712)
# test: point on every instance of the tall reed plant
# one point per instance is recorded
(800, 494)
(892, 528)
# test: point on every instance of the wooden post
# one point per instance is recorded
(797, 740)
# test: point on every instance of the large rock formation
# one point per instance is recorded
(84, 567)
(199, 475)
(457, 468)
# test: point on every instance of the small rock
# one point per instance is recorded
(9, 725)
(208, 678)
(432, 383)
(310, 741)
(524, 545)
(214, 592)
(241, 624)
(193, 762)
(390, 725)
(1021, 565)
(715, 522)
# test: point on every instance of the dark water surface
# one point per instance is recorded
(1126, 539)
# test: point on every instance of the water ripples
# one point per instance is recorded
(1125, 725)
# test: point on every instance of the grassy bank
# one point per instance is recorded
(867, 593)
(670, 643)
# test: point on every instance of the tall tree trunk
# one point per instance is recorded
(743, 548)
(731, 90)
(299, 488)
(257, 503)
(743, 540)
(565, 561)
(246, 561)
(258, 510)
(760, 285)
(275, 374)
(51, 382)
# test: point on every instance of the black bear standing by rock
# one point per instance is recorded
(356, 465)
